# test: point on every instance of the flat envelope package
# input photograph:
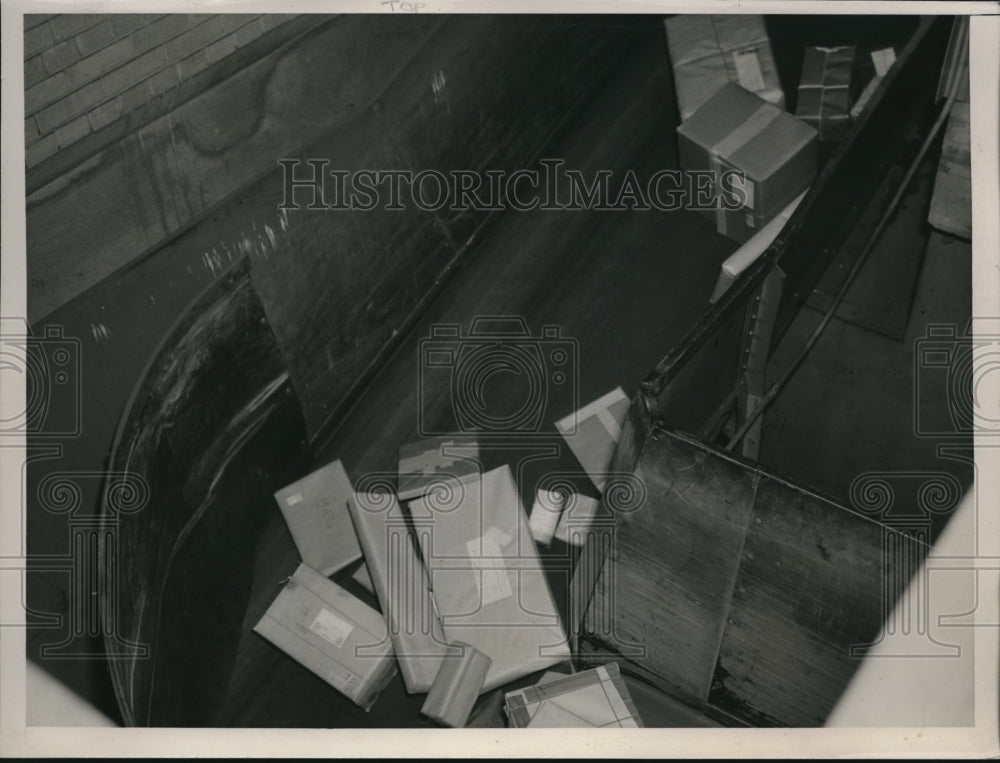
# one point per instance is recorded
(457, 685)
(592, 698)
(707, 52)
(400, 582)
(773, 152)
(337, 636)
(315, 509)
(424, 463)
(824, 97)
(487, 579)
(592, 433)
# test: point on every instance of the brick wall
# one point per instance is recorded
(86, 72)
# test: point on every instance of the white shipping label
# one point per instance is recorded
(486, 555)
(883, 60)
(748, 69)
(331, 627)
(294, 499)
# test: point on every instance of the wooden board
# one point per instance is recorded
(951, 204)
(667, 584)
(810, 586)
(747, 592)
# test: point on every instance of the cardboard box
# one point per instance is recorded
(824, 97)
(457, 685)
(335, 635)
(545, 513)
(487, 579)
(401, 583)
(597, 697)
(707, 52)
(428, 462)
(315, 508)
(738, 132)
(592, 433)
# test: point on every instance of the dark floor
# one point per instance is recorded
(625, 287)
(854, 400)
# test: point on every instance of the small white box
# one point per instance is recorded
(315, 509)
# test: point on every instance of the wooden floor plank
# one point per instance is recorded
(668, 581)
(810, 586)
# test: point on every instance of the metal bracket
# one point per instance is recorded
(754, 353)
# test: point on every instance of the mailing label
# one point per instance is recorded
(883, 60)
(487, 556)
(748, 69)
(331, 627)
(294, 499)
